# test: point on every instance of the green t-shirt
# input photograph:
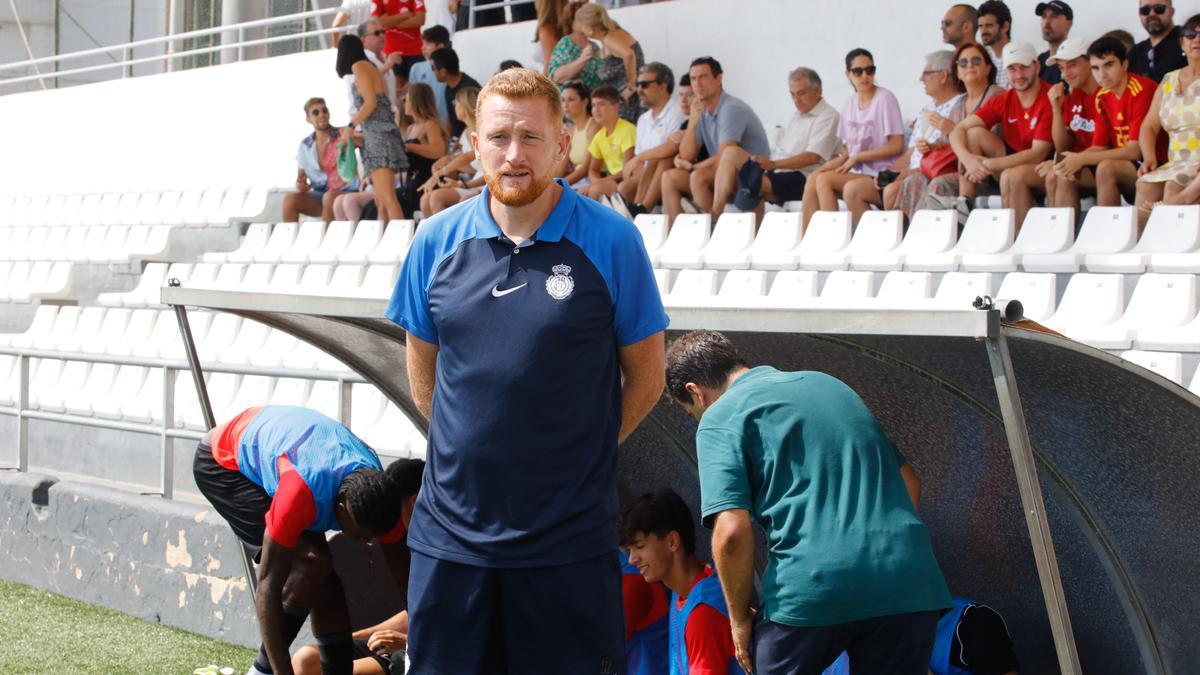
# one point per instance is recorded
(805, 456)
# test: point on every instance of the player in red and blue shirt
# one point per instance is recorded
(660, 534)
(283, 476)
(1121, 104)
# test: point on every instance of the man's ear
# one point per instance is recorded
(695, 392)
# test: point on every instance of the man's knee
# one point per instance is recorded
(307, 661)
(734, 155)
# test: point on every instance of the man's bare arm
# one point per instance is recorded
(733, 553)
(643, 367)
(912, 483)
(422, 362)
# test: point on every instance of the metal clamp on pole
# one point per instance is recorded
(193, 359)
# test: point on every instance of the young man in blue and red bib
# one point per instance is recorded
(1121, 104)
(660, 534)
(283, 476)
(646, 604)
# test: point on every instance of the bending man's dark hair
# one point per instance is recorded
(349, 52)
(372, 499)
(406, 474)
(659, 513)
(703, 357)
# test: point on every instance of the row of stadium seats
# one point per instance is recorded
(195, 207)
(312, 242)
(1107, 241)
(83, 243)
(25, 281)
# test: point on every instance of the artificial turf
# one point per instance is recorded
(43, 632)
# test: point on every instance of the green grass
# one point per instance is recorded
(43, 632)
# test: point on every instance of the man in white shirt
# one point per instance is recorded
(655, 89)
(371, 32)
(807, 142)
(351, 15)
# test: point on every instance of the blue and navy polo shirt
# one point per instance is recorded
(522, 461)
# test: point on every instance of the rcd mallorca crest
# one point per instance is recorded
(561, 284)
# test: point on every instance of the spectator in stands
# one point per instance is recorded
(1074, 124)
(995, 31)
(351, 15)
(564, 288)
(317, 181)
(873, 133)
(655, 86)
(1159, 53)
(658, 530)
(284, 476)
(611, 147)
(1124, 37)
(375, 646)
(508, 64)
(350, 206)
(383, 153)
(549, 30)
(424, 140)
(620, 57)
(403, 20)
(1121, 105)
(574, 57)
(1174, 110)
(665, 157)
(433, 38)
(978, 75)
(808, 141)
(577, 104)
(647, 634)
(959, 25)
(440, 13)
(720, 121)
(1057, 18)
(371, 33)
(930, 138)
(459, 177)
(1024, 116)
(767, 451)
(445, 69)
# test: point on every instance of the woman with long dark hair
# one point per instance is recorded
(383, 149)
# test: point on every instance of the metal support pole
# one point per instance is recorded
(166, 443)
(344, 402)
(22, 406)
(129, 52)
(1033, 504)
(241, 51)
(57, 36)
(189, 349)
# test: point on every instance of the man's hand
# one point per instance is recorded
(1147, 166)
(1070, 165)
(392, 59)
(694, 114)
(676, 136)
(974, 169)
(943, 124)
(742, 631)
(923, 146)
(681, 163)
(387, 641)
(302, 183)
(1056, 94)
(846, 165)
(1044, 168)
(766, 163)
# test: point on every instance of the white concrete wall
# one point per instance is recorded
(240, 123)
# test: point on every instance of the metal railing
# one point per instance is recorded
(165, 429)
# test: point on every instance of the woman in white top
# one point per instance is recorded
(448, 187)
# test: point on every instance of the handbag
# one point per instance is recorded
(347, 161)
(939, 162)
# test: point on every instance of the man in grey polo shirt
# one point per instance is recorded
(808, 140)
(720, 122)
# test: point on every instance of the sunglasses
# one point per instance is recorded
(377, 33)
(973, 61)
(1189, 33)
(1145, 10)
(946, 23)
(642, 84)
(858, 72)
(318, 111)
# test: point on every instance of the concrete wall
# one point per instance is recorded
(240, 123)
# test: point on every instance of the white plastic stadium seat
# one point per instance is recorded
(1090, 302)
(905, 289)
(366, 237)
(379, 281)
(308, 238)
(844, 286)
(744, 284)
(1046, 230)
(827, 236)
(315, 279)
(43, 322)
(662, 278)
(1165, 364)
(126, 385)
(1035, 291)
(729, 246)
(653, 228)
(282, 236)
(153, 278)
(987, 231)
(958, 290)
(393, 244)
(251, 335)
(256, 238)
(1106, 229)
(691, 284)
(877, 232)
(929, 232)
(780, 233)
(337, 238)
(1159, 302)
(290, 391)
(1171, 231)
(688, 235)
(285, 278)
(793, 286)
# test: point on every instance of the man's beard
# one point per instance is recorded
(1156, 26)
(517, 196)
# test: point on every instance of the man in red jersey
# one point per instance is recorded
(1024, 115)
(1121, 104)
(403, 20)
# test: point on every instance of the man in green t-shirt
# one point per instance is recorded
(850, 566)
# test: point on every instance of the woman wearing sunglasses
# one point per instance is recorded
(1176, 108)
(871, 129)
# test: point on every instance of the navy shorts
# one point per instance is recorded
(899, 644)
(559, 620)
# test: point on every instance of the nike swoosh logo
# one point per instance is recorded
(1012, 120)
(497, 293)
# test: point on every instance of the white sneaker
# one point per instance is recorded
(951, 203)
(618, 204)
(688, 205)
